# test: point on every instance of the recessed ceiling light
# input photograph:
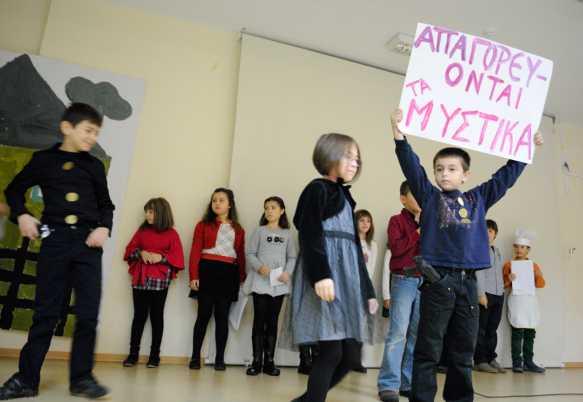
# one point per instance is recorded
(401, 43)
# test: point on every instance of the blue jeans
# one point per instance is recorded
(397, 365)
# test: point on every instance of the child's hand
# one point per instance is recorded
(145, 256)
(194, 285)
(155, 258)
(284, 277)
(513, 277)
(373, 306)
(387, 303)
(97, 237)
(396, 118)
(538, 139)
(483, 301)
(264, 270)
(28, 226)
(325, 289)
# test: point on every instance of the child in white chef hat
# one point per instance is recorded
(522, 276)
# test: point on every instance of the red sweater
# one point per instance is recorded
(403, 241)
(205, 237)
(165, 243)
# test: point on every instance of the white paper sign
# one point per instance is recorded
(524, 282)
(474, 93)
(274, 275)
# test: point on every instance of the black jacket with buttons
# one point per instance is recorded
(73, 185)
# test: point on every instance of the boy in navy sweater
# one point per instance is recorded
(454, 239)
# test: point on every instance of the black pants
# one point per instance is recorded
(64, 256)
(487, 334)
(266, 313)
(448, 305)
(148, 302)
(522, 345)
(335, 360)
(206, 305)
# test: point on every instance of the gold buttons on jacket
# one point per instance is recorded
(72, 197)
(71, 219)
(68, 165)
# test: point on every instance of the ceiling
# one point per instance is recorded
(359, 30)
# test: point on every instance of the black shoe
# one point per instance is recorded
(88, 388)
(253, 370)
(360, 369)
(270, 369)
(256, 367)
(131, 360)
(194, 363)
(517, 366)
(15, 388)
(220, 365)
(153, 361)
(406, 393)
(532, 367)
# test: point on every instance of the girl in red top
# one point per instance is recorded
(217, 268)
(155, 256)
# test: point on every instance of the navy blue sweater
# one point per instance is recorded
(448, 238)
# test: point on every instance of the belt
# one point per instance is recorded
(339, 234)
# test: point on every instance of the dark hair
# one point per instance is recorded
(490, 224)
(404, 189)
(329, 149)
(163, 219)
(78, 112)
(283, 221)
(211, 217)
(363, 213)
(455, 152)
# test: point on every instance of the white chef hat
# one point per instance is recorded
(523, 237)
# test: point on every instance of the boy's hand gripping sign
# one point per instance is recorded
(474, 93)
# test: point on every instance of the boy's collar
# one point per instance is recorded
(451, 193)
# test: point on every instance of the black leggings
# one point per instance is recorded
(148, 302)
(336, 359)
(266, 313)
(206, 304)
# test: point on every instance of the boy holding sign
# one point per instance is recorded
(454, 241)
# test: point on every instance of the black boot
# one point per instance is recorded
(268, 357)
(305, 366)
(133, 357)
(256, 365)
